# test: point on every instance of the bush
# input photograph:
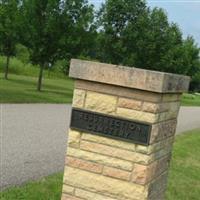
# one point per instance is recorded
(22, 53)
(18, 67)
(195, 83)
(62, 66)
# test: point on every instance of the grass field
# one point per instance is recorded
(191, 100)
(17, 67)
(46, 189)
(183, 181)
(184, 177)
(22, 89)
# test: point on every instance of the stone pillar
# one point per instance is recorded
(122, 132)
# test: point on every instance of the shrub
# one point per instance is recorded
(195, 83)
(22, 53)
(18, 67)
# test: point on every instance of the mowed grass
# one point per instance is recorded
(183, 184)
(190, 100)
(22, 89)
(48, 188)
(184, 176)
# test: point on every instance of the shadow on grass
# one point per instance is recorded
(7, 97)
(21, 89)
(34, 97)
(67, 93)
(23, 82)
(32, 81)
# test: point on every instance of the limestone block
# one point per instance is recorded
(104, 185)
(82, 164)
(68, 189)
(130, 93)
(116, 173)
(109, 141)
(99, 167)
(129, 103)
(101, 159)
(101, 102)
(78, 98)
(91, 195)
(74, 138)
(158, 185)
(163, 130)
(70, 197)
(138, 115)
(153, 147)
(128, 77)
(115, 152)
(142, 174)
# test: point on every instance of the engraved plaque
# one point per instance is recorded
(110, 126)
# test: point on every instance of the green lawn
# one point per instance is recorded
(183, 184)
(46, 189)
(191, 100)
(22, 89)
(184, 181)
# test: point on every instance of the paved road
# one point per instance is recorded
(189, 118)
(33, 139)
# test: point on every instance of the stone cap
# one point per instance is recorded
(129, 77)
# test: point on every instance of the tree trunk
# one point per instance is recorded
(6, 68)
(39, 86)
(49, 70)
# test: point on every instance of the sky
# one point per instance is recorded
(186, 13)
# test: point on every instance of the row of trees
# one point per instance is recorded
(123, 32)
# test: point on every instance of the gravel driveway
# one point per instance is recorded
(33, 139)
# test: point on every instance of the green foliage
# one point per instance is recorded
(19, 68)
(80, 31)
(56, 29)
(49, 33)
(195, 83)
(22, 53)
(9, 29)
(134, 35)
(43, 21)
(9, 26)
(62, 66)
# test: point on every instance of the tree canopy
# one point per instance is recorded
(122, 32)
(55, 29)
(9, 28)
(132, 34)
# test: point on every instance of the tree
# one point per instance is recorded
(43, 22)
(133, 34)
(53, 28)
(9, 29)
(80, 31)
(191, 53)
(22, 53)
(120, 24)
